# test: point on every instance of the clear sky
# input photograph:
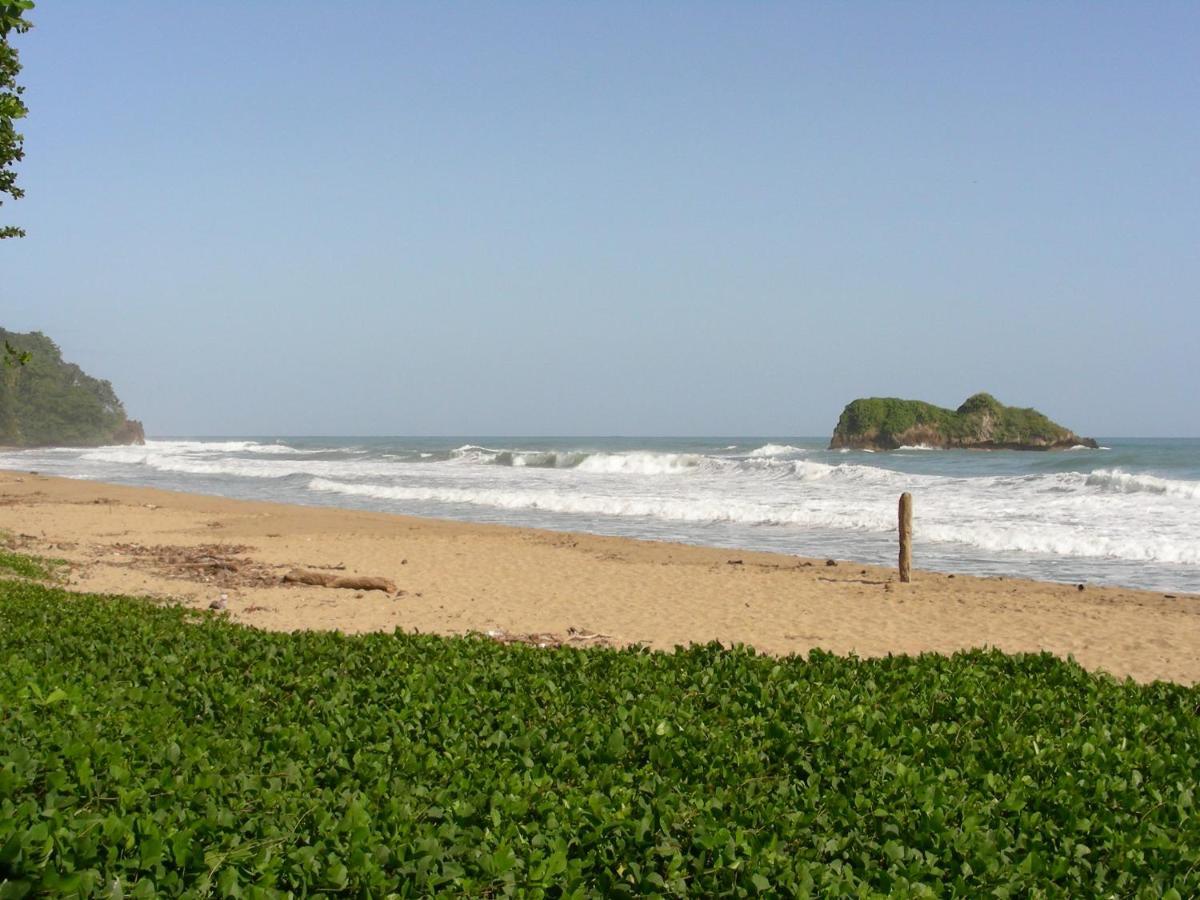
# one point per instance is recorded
(612, 218)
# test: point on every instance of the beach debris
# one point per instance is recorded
(831, 562)
(734, 562)
(220, 564)
(1079, 587)
(350, 582)
(21, 500)
(1169, 596)
(575, 637)
(220, 603)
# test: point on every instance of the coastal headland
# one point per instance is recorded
(544, 587)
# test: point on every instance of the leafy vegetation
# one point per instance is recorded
(30, 566)
(12, 107)
(148, 749)
(982, 420)
(45, 400)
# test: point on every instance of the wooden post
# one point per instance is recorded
(906, 537)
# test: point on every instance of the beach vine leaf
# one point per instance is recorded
(159, 752)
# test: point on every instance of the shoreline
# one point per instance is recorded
(574, 588)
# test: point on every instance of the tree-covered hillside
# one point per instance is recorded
(47, 401)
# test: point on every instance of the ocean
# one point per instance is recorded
(1127, 514)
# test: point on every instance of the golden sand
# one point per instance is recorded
(455, 578)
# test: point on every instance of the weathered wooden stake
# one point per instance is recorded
(906, 537)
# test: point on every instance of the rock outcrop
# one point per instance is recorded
(129, 432)
(981, 423)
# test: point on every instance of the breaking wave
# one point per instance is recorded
(702, 509)
(1126, 483)
(772, 450)
(1037, 512)
(633, 462)
(1058, 539)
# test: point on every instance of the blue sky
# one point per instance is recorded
(618, 218)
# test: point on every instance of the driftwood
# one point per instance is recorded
(350, 582)
(905, 517)
(573, 637)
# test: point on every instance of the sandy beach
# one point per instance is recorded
(579, 589)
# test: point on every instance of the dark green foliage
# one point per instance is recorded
(980, 403)
(173, 753)
(12, 108)
(892, 416)
(982, 420)
(13, 357)
(45, 400)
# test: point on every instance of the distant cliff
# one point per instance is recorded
(48, 402)
(981, 423)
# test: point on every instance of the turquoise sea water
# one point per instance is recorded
(1128, 514)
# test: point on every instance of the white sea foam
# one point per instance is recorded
(947, 512)
(188, 458)
(774, 495)
(1116, 480)
(641, 463)
(472, 453)
(810, 470)
(1059, 539)
(695, 509)
(916, 447)
(771, 450)
(139, 453)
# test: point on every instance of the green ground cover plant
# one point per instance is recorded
(151, 750)
(37, 567)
